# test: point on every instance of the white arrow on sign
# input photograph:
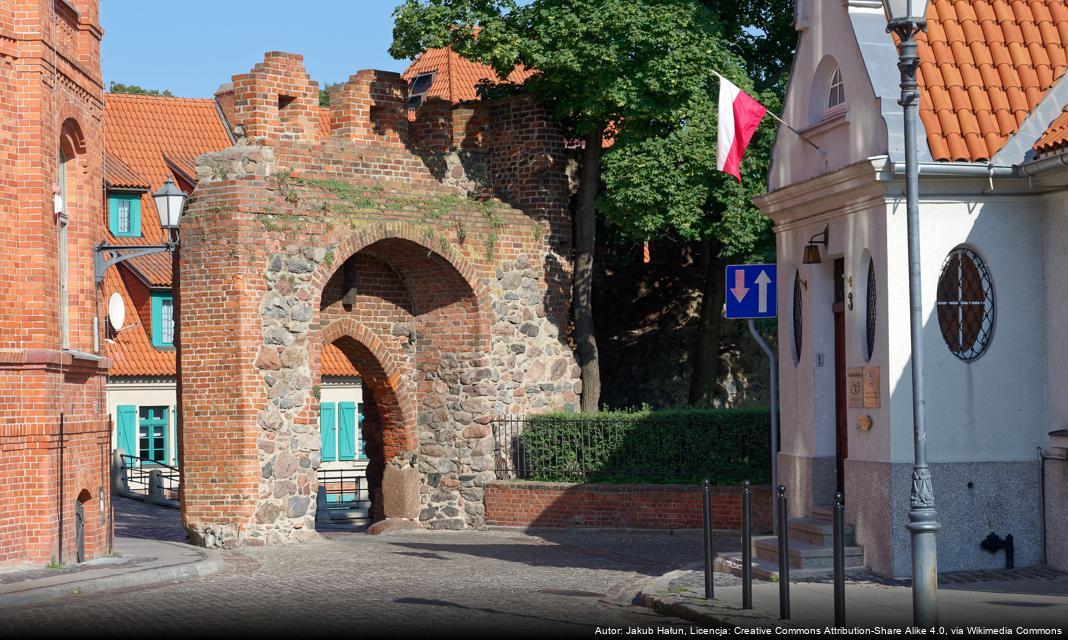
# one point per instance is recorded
(739, 289)
(763, 281)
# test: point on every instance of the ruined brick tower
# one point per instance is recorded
(53, 426)
(373, 229)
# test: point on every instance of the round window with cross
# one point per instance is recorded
(965, 302)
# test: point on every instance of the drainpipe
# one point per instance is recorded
(1043, 455)
(958, 169)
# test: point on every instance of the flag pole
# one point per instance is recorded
(780, 120)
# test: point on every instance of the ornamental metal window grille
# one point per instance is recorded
(966, 304)
(871, 311)
(797, 317)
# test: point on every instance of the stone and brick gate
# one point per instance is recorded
(373, 230)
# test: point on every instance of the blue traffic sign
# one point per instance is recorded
(751, 291)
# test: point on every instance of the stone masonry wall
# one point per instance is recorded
(452, 304)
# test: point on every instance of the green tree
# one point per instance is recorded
(599, 63)
(662, 179)
(118, 87)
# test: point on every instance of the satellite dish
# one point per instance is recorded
(116, 312)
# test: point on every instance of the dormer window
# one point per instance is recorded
(836, 92)
(418, 89)
(124, 214)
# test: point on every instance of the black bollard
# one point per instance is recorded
(747, 550)
(839, 560)
(784, 558)
(707, 501)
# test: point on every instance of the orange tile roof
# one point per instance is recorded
(456, 78)
(984, 66)
(119, 176)
(1056, 136)
(131, 351)
(335, 363)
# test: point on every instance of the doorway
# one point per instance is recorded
(841, 431)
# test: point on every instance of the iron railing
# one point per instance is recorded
(676, 450)
(137, 471)
(344, 488)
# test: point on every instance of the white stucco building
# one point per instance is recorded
(993, 232)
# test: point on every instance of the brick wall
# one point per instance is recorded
(51, 94)
(452, 304)
(641, 506)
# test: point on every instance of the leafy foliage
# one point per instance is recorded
(118, 87)
(674, 446)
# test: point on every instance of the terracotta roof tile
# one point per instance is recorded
(335, 363)
(131, 352)
(119, 176)
(1056, 136)
(456, 78)
(984, 66)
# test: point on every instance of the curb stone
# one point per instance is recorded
(209, 563)
(656, 595)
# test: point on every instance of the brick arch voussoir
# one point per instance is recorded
(365, 237)
(397, 397)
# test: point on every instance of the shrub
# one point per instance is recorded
(676, 446)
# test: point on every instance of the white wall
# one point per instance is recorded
(826, 30)
(153, 393)
(992, 408)
(342, 390)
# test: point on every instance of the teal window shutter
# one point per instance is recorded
(128, 429)
(162, 319)
(346, 430)
(173, 456)
(124, 215)
(328, 431)
(359, 432)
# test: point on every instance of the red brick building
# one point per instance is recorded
(53, 428)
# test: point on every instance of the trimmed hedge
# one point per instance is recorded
(677, 446)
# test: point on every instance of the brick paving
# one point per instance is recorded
(474, 583)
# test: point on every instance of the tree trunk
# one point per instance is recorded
(582, 299)
(704, 358)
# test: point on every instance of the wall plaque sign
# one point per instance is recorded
(872, 398)
(855, 387)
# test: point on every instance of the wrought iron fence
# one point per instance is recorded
(344, 488)
(682, 447)
(137, 471)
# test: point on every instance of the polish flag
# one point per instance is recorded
(739, 117)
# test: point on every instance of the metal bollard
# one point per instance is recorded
(784, 558)
(707, 501)
(747, 550)
(839, 560)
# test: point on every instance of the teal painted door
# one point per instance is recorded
(127, 429)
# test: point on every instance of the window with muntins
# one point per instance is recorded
(153, 442)
(418, 89)
(124, 215)
(162, 319)
(965, 302)
(836, 93)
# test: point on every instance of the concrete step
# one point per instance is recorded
(816, 531)
(358, 511)
(822, 512)
(769, 571)
(804, 555)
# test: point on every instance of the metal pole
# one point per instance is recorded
(923, 524)
(707, 501)
(839, 560)
(747, 550)
(774, 402)
(784, 559)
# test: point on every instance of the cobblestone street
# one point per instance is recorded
(454, 583)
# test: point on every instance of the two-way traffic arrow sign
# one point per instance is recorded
(743, 301)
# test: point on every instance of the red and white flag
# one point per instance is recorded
(739, 117)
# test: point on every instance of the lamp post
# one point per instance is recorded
(906, 19)
(170, 203)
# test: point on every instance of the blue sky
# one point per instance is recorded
(193, 46)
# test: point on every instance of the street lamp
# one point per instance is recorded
(170, 203)
(906, 19)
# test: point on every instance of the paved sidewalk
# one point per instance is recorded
(148, 551)
(1032, 598)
